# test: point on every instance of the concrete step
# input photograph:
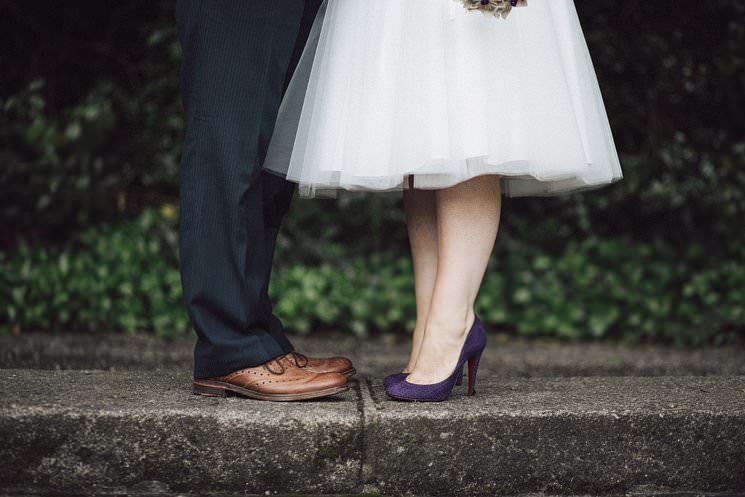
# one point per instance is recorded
(74, 431)
(380, 355)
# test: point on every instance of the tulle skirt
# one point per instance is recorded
(393, 94)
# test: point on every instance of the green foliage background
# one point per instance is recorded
(89, 145)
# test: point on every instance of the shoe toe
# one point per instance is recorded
(336, 364)
(396, 389)
(393, 378)
(342, 364)
(330, 380)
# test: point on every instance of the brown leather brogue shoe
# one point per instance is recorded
(279, 379)
(336, 364)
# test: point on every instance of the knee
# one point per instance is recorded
(220, 150)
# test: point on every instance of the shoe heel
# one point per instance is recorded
(459, 379)
(473, 366)
(208, 390)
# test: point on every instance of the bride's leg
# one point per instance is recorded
(421, 222)
(467, 223)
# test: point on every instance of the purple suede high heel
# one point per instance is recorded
(399, 377)
(437, 392)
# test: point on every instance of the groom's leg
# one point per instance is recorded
(278, 192)
(236, 55)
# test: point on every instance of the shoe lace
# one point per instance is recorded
(269, 366)
(300, 360)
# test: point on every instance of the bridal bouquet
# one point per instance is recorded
(497, 8)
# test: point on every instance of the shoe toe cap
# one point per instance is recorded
(396, 389)
(341, 363)
(330, 380)
(393, 378)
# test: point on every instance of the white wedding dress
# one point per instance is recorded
(388, 89)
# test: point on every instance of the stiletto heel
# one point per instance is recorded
(437, 392)
(473, 366)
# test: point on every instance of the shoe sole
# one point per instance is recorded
(208, 388)
(406, 399)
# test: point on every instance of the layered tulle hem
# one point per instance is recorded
(518, 179)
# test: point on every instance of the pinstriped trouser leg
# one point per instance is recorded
(236, 55)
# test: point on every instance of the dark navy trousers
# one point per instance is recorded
(238, 56)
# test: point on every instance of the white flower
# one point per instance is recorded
(496, 8)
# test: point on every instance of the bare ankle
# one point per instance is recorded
(454, 322)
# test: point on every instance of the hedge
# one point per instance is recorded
(125, 278)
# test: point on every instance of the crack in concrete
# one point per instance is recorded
(361, 438)
(366, 395)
